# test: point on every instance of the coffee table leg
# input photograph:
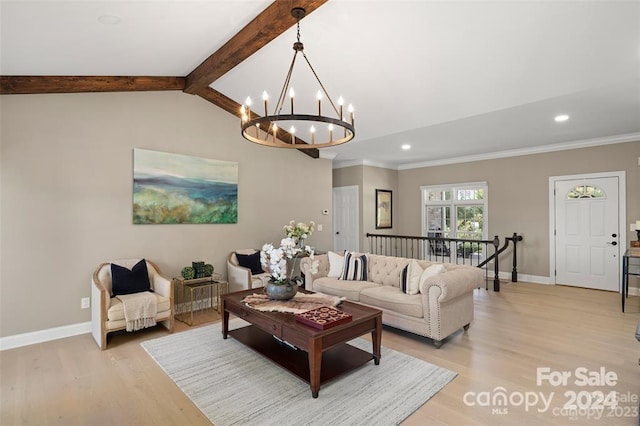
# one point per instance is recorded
(225, 321)
(376, 337)
(315, 365)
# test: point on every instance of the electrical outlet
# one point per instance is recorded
(85, 302)
(319, 227)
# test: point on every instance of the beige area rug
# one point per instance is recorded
(232, 385)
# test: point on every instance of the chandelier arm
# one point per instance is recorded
(285, 86)
(321, 85)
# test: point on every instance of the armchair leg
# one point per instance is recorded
(437, 344)
(466, 327)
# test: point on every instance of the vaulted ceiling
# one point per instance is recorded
(453, 79)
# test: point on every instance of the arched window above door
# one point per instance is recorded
(585, 191)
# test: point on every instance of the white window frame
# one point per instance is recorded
(453, 203)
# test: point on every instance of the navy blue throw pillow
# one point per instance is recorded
(251, 261)
(125, 281)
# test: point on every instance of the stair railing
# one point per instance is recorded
(479, 253)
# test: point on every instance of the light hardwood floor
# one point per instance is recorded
(515, 332)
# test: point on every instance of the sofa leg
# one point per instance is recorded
(437, 344)
(466, 327)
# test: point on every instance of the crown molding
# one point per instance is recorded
(586, 143)
(327, 155)
(350, 163)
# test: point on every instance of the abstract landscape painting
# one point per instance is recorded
(172, 188)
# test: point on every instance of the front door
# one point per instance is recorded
(587, 232)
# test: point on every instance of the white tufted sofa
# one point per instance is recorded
(443, 305)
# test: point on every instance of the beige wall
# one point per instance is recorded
(66, 192)
(368, 179)
(379, 178)
(519, 193)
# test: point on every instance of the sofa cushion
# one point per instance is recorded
(431, 271)
(393, 299)
(349, 289)
(128, 281)
(116, 309)
(251, 261)
(386, 270)
(355, 267)
(336, 264)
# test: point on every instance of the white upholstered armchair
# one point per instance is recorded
(242, 277)
(107, 311)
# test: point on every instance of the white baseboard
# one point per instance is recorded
(40, 336)
(506, 276)
(535, 279)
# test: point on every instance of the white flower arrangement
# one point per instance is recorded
(281, 261)
(299, 231)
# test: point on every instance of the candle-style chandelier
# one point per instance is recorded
(281, 130)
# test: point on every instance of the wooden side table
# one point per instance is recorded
(198, 296)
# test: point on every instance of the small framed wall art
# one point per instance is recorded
(384, 209)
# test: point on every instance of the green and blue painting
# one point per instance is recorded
(172, 188)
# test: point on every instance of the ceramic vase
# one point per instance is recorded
(283, 291)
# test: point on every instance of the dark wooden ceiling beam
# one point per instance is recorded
(14, 85)
(233, 107)
(268, 25)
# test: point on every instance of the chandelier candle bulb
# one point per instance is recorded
(351, 113)
(248, 103)
(275, 129)
(330, 132)
(313, 134)
(265, 97)
(292, 93)
(341, 103)
(292, 130)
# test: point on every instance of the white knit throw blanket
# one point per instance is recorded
(140, 310)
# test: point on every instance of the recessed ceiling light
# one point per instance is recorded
(560, 118)
(109, 19)
(406, 146)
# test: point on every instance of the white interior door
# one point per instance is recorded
(346, 223)
(587, 233)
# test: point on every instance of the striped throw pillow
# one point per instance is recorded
(355, 267)
(410, 278)
(403, 278)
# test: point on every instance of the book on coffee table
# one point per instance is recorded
(323, 317)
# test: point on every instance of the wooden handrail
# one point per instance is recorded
(426, 248)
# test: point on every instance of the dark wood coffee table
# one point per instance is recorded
(315, 356)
